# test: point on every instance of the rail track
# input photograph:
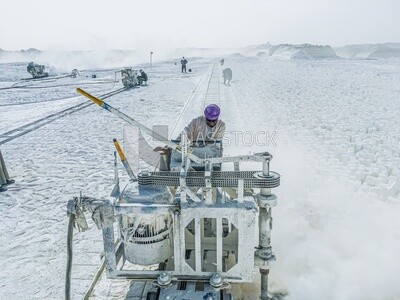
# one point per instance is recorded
(24, 129)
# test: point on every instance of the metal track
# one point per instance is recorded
(251, 179)
(34, 81)
(213, 87)
(22, 130)
(209, 87)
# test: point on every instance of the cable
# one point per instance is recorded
(69, 256)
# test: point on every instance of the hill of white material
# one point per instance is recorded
(369, 51)
(304, 51)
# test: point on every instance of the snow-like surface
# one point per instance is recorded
(336, 228)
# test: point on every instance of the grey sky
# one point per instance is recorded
(130, 24)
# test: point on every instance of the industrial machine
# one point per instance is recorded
(37, 71)
(205, 229)
(129, 77)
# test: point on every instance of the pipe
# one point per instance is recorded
(264, 224)
(132, 121)
(69, 256)
(264, 284)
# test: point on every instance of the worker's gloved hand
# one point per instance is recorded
(162, 150)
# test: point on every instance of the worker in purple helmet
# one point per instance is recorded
(208, 127)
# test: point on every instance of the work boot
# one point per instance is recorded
(10, 181)
(2, 189)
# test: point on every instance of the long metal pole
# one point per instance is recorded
(265, 219)
(264, 284)
(132, 121)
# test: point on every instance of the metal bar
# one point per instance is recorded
(153, 275)
(240, 190)
(239, 158)
(264, 284)
(192, 195)
(219, 244)
(109, 248)
(124, 161)
(197, 248)
(119, 246)
(264, 226)
(94, 281)
(126, 208)
(132, 121)
(207, 181)
(177, 241)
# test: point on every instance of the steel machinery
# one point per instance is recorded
(129, 77)
(205, 229)
(37, 71)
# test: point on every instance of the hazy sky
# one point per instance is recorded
(160, 24)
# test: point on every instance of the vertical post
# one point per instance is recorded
(240, 191)
(264, 284)
(264, 255)
(198, 232)
(265, 173)
(207, 178)
(107, 214)
(151, 59)
(219, 244)
(178, 241)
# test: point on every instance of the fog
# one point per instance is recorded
(159, 25)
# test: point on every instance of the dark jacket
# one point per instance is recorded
(227, 73)
(143, 75)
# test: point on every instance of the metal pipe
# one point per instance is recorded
(264, 284)
(265, 173)
(265, 228)
(69, 256)
(264, 221)
(132, 121)
(124, 161)
(266, 167)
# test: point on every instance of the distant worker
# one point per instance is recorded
(222, 61)
(184, 62)
(4, 177)
(142, 77)
(75, 73)
(227, 73)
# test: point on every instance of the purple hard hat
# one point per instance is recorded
(211, 112)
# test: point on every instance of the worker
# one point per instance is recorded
(183, 63)
(142, 77)
(227, 74)
(203, 130)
